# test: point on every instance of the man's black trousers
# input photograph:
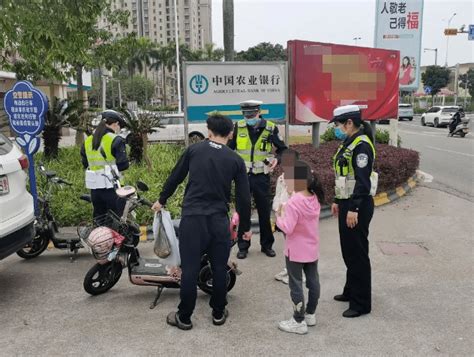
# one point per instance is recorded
(197, 235)
(260, 189)
(105, 199)
(355, 252)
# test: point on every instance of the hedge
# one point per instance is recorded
(69, 210)
(394, 165)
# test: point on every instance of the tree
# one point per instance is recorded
(436, 77)
(228, 16)
(264, 51)
(56, 39)
(163, 58)
(210, 53)
(55, 118)
(140, 124)
(467, 80)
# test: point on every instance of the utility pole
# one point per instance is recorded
(447, 41)
(228, 15)
(178, 76)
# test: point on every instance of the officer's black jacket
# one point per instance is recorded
(364, 152)
(255, 133)
(118, 151)
(212, 167)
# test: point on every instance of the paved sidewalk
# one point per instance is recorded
(422, 304)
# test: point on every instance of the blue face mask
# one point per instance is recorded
(340, 134)
(252, 122)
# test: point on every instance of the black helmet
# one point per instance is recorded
(112, 116)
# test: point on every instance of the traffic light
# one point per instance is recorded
(450, 32)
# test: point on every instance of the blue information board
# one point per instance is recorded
(26, 107)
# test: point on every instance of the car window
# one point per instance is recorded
(5, 145)
(449, 110)
(434, 110)
(404, 105)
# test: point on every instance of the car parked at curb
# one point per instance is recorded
(438, 115)
(405, 111)
(17, 214)
(174, 129)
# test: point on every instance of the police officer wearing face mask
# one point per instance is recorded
(354, 205)
(104, 156)
(254, 139)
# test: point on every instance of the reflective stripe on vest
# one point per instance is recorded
(96, 158)
(261, 150)
(347, 170)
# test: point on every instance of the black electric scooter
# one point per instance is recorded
(116, 248)
(46, 228)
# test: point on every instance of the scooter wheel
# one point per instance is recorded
(205, 280)
(102, 277)
(34, 248)
(462, 134)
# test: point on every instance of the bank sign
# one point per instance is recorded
(218, 86)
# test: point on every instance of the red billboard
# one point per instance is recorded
(324, 76)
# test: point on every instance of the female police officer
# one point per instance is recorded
(103, 156)
(354, 205)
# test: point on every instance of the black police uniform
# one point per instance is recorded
(354, 241)
(105, 199)
(205, 223)
(260, 186)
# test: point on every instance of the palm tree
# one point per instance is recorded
(163, 58)
(211, 53)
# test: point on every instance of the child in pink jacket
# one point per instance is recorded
(299, 220)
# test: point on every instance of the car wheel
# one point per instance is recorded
(436, 123)
(410, 119)
(195, 138)
(423, 123)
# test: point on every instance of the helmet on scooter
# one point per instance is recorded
(101, 241)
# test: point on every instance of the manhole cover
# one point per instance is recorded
(409, 249)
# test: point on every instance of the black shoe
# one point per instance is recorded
(353, 313)
(341, 297)
(173, 320)
(220, 321)
(242, 254)
(269, 252)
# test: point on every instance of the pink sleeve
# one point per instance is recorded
(288, 221)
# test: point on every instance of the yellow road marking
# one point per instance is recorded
(381, 199)
(400, 191)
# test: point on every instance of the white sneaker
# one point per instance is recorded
(310, 319)
(282, 275)
(293, 327)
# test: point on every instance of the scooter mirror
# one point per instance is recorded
(142, 186)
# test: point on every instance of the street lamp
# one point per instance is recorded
(436, 54)
(447, 41)
(356, 38)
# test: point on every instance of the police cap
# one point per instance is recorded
(346, 112)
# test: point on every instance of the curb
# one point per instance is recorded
(146, 232)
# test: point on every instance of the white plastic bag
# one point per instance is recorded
(174, 258)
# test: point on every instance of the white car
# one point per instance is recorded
(16, 204)
(174, 130)
(438, 115)
(405, 111)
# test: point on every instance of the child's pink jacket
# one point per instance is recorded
(300, 223)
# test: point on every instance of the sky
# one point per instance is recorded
(339, 21)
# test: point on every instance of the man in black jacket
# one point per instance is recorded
(212, 167)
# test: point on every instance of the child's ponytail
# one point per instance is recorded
(315, 187)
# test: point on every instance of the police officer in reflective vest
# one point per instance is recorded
(356, 183)
(254, 139)
(103, 156)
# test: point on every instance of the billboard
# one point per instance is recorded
(221, 86)
(398, 26)
(324, 76)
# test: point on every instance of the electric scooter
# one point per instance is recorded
(46, 228)
(113, 242)
(461, 129)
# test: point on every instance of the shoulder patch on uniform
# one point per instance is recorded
(362, 160)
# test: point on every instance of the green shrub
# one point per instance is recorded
(69, 210)
(328, 135)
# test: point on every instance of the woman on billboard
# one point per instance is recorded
(407, 72)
